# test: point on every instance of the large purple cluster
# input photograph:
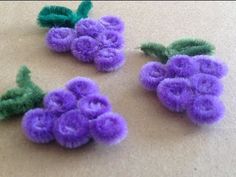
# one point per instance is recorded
(73, 116)
(92, 41)
(188, 84)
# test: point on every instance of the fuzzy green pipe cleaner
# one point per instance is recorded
(189, 47)
(18, 100)
(60, 16)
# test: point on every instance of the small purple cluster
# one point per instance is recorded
(73, 116)
(92, 41)
(188, 84)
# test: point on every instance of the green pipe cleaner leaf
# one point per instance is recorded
(156, 50)
(51, 16)
(189, 47)
(18, 100)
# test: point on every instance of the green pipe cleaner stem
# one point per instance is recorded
(19, 100)
(59, 16)
(189, 47)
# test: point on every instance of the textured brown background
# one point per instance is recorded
(160, 143)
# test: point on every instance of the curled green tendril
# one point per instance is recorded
(18, 100)
(189, 47)
(59, 16)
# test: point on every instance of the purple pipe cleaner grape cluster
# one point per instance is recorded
(73, 116)
(188, 84)
(92, 41)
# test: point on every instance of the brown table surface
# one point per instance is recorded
(160, 143)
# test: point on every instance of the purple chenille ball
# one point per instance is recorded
(60, 39)
(110, 39)
(84, 48)
(71, 130)
(210, 65)
(175, 93)
(181, 66)
(109, 59)
(94, 105)
(109, 128)
(88, 27)
(37, 125)
(59, 101)
(82, 87)
(205, 84)
(112, 23)
(205, 109)
(151, 74)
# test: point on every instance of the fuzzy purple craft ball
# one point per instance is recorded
(151, 74)
(112, 23)
(181, 66)
(110, 39)
(37, 125)
(82, 87)
(209, 65)
(175, 93)
(88, 27)
(205, 109)
(109, 59)
(109, 128)
(205, 84)
(84, 48)
(71, 130)
(94, 105)
(60, 39)
(59, 101)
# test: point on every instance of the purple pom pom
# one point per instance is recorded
(110, 39)
(94, 105)
(112, 23)
(59, 101)
(151, 74)
(71, 130)
(109, 60)
(82, 87)
(175, 93)
(109, 128)
(60, 39)
(84, 48)
(210, 65)
(205, 84)
(205, 110)
(88, 27)
(37, 125)
(181, 66)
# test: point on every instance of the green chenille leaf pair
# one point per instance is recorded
(189, 47)
(18, 100)
(59, 16)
